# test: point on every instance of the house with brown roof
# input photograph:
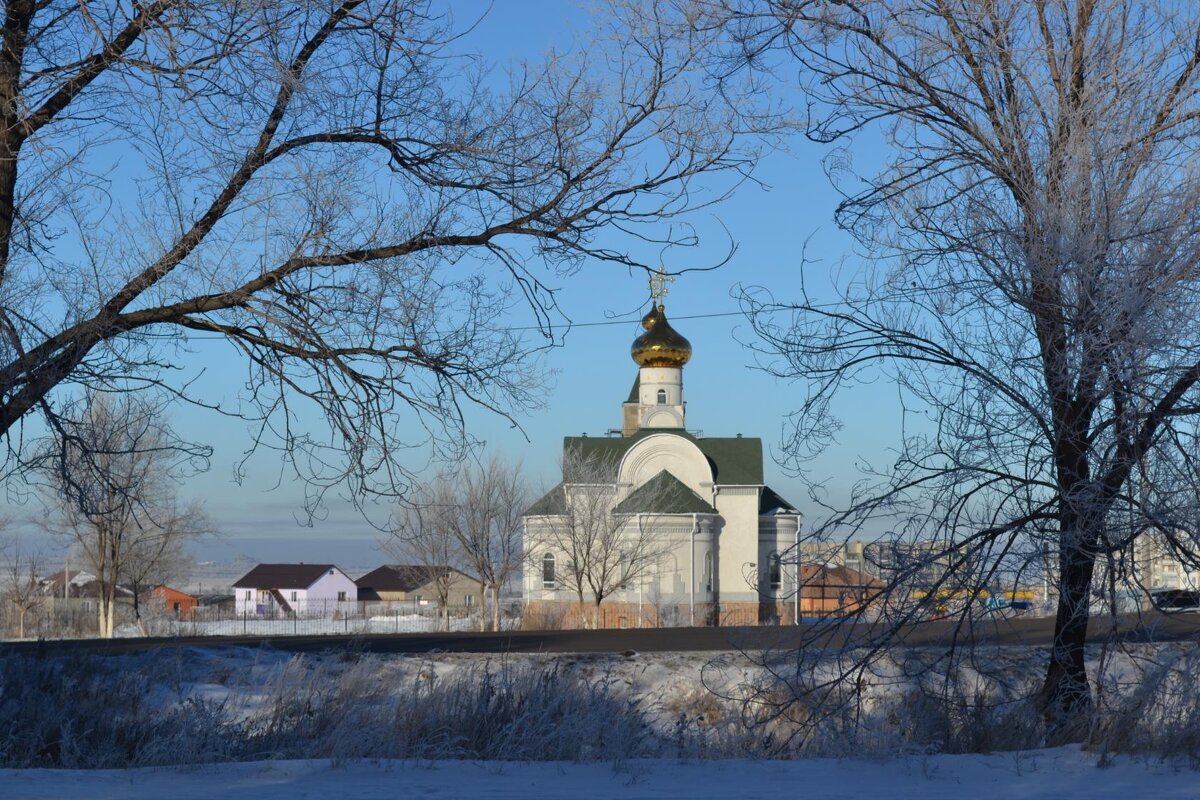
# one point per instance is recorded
(829, 590)
(418, 585)
(271, 590)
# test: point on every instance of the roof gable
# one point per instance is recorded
(284, 576)
(664, 494)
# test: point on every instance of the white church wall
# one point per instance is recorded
(738, 507)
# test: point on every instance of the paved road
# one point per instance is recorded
(1147, 627)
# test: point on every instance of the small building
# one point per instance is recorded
(224, 602)
(418, 585)
(271, 590)
(171, 601)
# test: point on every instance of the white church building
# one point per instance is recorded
(696, 533)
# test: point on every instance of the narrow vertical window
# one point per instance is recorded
(774, 571)
(708, 572)
(548, 571)
(662, 397)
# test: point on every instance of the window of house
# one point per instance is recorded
(341, 597)
(469, 600)
(774, 570)
(662, 397)
(293, 597)
(548, 580)
(247, 594)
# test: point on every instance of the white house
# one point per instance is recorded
(303, 589)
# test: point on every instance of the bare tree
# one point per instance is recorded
(605, 545)
(23, 590)
(112, 483)
(159, 556)
(337, 191)
(488, 527)
(423, 536)
(1032, 252)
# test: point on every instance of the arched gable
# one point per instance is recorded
(678, 455)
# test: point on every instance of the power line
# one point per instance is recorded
(627, 321)
(193, 335)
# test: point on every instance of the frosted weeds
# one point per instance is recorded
(201, 705)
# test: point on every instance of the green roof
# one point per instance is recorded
(664, 494)
(769, 502)
(554, 502)
(735, 461)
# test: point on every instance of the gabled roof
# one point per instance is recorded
(664, 494)
(819, 580)
(163, 589)
(636, 390)
(553, 503)
(284, 576)
(769, 502)
(403, 577)
(735, 461)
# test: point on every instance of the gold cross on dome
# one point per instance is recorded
(658, 284)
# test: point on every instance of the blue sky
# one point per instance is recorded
(592, 371)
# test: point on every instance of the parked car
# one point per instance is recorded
(1174, 600)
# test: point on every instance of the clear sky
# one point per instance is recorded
(726, 394)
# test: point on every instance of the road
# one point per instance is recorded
(1147, 627)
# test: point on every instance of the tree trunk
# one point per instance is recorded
(496, 608)
(596, 616)
(583, 615)
(1065, 698)
(483, 606)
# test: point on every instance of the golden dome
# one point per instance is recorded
(661, 345)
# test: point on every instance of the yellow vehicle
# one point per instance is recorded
(943, 600)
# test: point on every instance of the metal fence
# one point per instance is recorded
(64, 619)
(72, 619)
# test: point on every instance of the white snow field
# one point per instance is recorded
(1057, 774)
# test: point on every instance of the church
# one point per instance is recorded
(655, 524)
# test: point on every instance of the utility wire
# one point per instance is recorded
(627, 321)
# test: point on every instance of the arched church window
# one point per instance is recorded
(662, 397)
(708, 572)
(548, 581)
(774, 570)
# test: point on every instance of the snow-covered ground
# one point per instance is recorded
(1058, 774)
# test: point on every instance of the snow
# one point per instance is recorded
(1060, 774)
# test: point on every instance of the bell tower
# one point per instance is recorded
(660, 353)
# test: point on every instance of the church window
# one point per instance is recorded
(548, 581)
(708, 572)
(662, 397)
(774, 570)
